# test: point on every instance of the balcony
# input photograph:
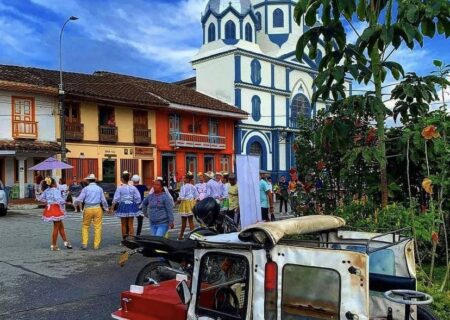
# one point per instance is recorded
(192, 140)
(107, 134)
(74, 131)
(142, 136)
(25, 129)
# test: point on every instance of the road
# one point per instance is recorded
(36, 283)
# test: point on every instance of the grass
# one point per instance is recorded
(441, 304)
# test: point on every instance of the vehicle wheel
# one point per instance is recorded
(155, 270)
(3, 212)
(425, 313)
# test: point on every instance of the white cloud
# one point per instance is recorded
(165, 33)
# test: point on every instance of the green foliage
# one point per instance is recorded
(441, 300)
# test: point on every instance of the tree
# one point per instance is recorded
(389, 25)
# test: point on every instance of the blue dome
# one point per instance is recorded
(219, 6)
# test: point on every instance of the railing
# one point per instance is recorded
(142, 136)
(25, 129)
(107, 134)
(74, 131)
(179, 139)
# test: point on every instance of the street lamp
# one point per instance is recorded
(61, 94)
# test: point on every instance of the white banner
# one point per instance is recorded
(247, 168)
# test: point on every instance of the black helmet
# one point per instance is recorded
(206, 211)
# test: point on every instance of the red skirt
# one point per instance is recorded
(53, 212)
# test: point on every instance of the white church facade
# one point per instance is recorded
(248, 60)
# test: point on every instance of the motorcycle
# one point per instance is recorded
(177, 257)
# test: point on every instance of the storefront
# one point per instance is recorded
(107, 162)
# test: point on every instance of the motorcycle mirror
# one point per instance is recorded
(183, 292)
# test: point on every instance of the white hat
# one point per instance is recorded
(159, 178)
(135, 178)
(91, 177)
(210, 174)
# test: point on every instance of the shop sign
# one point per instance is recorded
(143, 152)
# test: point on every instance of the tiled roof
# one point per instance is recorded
(112, 86)
(30, 145)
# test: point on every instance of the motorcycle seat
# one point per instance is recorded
(164, 244)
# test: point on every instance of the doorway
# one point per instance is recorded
(148, 174)
(191, 164)
(168, 166)
(109, 170)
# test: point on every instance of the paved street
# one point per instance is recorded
(36, 283)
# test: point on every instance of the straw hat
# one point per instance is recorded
(210, 174)
(91, 177)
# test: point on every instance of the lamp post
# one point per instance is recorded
(61, 94)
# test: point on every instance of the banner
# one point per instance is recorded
(247, 169)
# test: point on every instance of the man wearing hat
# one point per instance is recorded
(265, 196)
(94, 199)
(213, 188)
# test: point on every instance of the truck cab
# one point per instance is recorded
(302, 268)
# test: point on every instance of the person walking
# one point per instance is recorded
(158, 207)
(272, 196)
(265, 197)
(201, 186)
(187, 199)
(141, 188)
(128, 199)
(94, 199)
(283, 193)
(233, 199)
(54, 212)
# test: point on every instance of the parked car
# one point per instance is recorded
(302, 268)
(108, 189)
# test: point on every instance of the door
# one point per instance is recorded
(140, 119)
(147, 172)
(317, 283)
(191, 164)
(109, 170)
(24, 124)
(168, 167)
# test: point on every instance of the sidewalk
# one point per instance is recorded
(23, 204)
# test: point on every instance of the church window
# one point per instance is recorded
(256, 108)
(248, 32)
(211, 32)
(300, 107)
(259, 21)
(230, 30)
(256, 71)
(278, 18)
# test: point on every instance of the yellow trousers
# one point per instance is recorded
(95, 216)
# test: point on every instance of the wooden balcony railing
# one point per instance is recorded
(25, 129)
(142, 136)
(107, 134)
(74, 131)
(179, 139)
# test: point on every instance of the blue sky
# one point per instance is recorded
(148, 38)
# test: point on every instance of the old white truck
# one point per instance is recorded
(303, 268)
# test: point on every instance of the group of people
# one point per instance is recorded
(129, 202)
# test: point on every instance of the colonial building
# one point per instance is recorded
(28, 131)
(113, 123)
(248, 59)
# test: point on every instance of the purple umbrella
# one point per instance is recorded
(50, 164)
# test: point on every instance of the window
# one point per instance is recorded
(300, 107)
(223, 286)
(174, 123)
(209, 163)
(248, 32)
(211, 32)
(256, 108)
(23, 121)
(230, 30)
(107, 117)
(255, 67)
(191, 163)
(213, 131)
(382, 262)
(310, 293)
(278, 18)
(259, 22)
(225, 164)
(72, 112)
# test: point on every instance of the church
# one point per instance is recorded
(248, 60)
